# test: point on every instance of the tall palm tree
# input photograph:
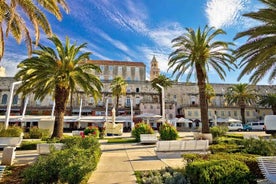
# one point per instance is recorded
(56, 71)
(196, 52)
(165, 83)
(269, 100)
(241, 94)
(259, 52)
(12, 19)
(118, 87)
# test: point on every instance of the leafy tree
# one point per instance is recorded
(13, 15)
(269, 100)
(196, 52)
(258, 53)
(242, 95)
(56, 72)
(118, 86)
(162, 80)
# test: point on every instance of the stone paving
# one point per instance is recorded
(119, 161)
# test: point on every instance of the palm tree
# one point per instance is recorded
(118, 86)
(269, 100)
(56, 72)
(13, 21)
(259, 52)
(196, 52)
(241, 94)
(165, 83)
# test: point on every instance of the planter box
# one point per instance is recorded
(45, 148)
(10, 141)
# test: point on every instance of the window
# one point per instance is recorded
(128, 90)
(229, 113)
(136, 69)
(137, 90)
(128, 78)
(235, 113)
(189, 113)
(247, 113)
(38, 102)
(137, 100)
(151, 107)
(196, 113)
(101, 77)
(102, 67)
(128, 69)
(110, 77)
(110, 68)
(120, 69)
(4, 99)
(222, 113)
(15, 99)
(128, 103)
(145, 107)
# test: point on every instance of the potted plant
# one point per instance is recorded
(12, 136)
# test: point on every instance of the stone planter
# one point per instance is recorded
(10, 141)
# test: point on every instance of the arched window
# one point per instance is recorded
(15, 99)
(4, 99)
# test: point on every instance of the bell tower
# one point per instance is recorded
(154, 69)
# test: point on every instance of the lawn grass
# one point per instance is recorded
(120, 140)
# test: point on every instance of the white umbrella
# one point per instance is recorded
(147, 116)
(183, 120)
(221, 120)
(232, 120)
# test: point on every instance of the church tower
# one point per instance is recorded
(154, 69)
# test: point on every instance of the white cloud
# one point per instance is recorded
(223, 13)
(10, 62)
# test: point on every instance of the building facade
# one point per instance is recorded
(181, 100)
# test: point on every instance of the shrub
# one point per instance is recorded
(228, 148)
(218, 171)
(13, 131)
(218, 131)
(29, 145)
(36, 133)
(259, 147)
(71, 165)
(168, 132)
(141, 128)
(167, 176)
(92, 130)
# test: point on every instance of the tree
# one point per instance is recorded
(118, 86)
(241, 94)
(259, 52)
(57, 71)
(269, 100)
(12, 19)
(163, 81)
(196, 52)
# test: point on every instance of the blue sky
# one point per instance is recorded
(135, 30)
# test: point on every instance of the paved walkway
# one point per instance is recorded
(119, 161)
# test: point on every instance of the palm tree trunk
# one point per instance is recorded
(117, 105)
(202, 98)
(243, 114)
(61, 96)
(71, 103)
(274, 109)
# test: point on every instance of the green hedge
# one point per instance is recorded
(218, 131)
(168, 132)
(71, 165)
(141, 128)
(259, 147)
(218, 171)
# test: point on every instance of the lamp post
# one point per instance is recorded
(10, 103)
(163, 103)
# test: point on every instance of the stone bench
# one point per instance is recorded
(267, 165)
(174, 149)
(45, 148)
(148, 138)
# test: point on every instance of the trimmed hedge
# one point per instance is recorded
(218, 131)
(71, 165)
(141, 128)
(14, 131)
(218, 171)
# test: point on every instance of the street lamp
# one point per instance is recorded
(10, 103)
(163, 103)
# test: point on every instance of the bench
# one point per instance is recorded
(174, 149)
(267, 165)
(148, 138)
(45, 148)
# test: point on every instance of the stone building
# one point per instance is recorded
(181, 100)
